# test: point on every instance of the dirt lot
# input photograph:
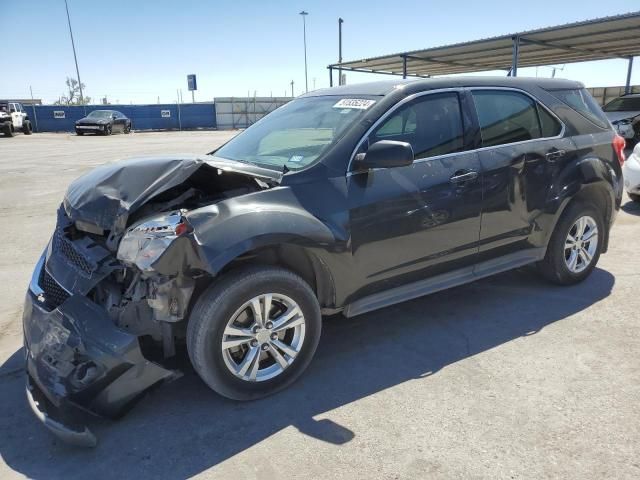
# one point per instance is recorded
(508, 377)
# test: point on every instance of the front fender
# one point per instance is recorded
(230, 228)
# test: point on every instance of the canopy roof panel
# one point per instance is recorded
(603, 38)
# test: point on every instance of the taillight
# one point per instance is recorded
(618, 146)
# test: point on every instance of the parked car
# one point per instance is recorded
(631, 174)
(105, 122)
(345, 200)
(624, 114)
(13, 118)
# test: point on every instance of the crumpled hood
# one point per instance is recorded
(615, 116)
(107, 195)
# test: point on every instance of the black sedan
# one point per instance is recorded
(104, 122)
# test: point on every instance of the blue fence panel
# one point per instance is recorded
(54, 118)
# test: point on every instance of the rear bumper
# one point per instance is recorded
(78, 361)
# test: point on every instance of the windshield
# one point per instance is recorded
(296, 134)
(623, 104)
(100, 114)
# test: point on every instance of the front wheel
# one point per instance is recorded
(253, 332)
(127, 128)
(575, 245)
(634, 197)
(8, 130)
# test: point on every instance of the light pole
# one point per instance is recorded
(340, 22)
(304, 33)
(75, 58)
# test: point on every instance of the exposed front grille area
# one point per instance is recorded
(54, 294)
(64, 246)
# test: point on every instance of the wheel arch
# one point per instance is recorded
(597, 192)
(302, 261)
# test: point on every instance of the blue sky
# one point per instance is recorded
(139, 50)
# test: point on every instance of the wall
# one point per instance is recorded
(241, 112)
(604, 95)
(143, 117)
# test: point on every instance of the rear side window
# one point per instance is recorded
(582, 102)
(506, 117)
(431, 124)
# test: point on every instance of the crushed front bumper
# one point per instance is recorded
(78, 361)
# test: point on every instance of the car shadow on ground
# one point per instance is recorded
(631, 207)
(182, 429)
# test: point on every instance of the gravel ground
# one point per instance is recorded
(508, 377)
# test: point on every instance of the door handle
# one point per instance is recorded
(555, 155)
(464, 176)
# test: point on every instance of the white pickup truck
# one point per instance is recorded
(13, 118)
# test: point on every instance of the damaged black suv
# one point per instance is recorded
(344, 200)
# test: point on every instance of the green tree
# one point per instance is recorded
(73, 98)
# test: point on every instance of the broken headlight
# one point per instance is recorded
(143, 243)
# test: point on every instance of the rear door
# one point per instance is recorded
(522, 146)
(416, 221)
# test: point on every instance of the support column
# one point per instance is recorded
(330, 77)
(627, 86)
(516, 51)
(404, 66)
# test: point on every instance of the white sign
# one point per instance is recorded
(58, 114)
(358, 103)
(165, 113)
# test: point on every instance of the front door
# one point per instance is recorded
(412, 222)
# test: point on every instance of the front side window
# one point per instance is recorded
(506, 117)
(431, 124)
(297, 134)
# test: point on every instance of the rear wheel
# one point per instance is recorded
(253, 332)
(107, 130)
(27, 129)
(575, 245)
(127, 128)
(79, 133)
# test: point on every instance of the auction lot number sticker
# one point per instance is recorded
(357, 103)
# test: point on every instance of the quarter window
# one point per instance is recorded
(431, 124)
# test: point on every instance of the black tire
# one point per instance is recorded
(215, 308)
(634, 197)
(79, 133)
(108, 130)
(27, 129)
(554, 267)
(8, 131)
(127, 129)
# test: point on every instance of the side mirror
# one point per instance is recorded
(386, 154)
(114, 116)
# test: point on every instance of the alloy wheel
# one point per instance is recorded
(581, 244)
(263, 337)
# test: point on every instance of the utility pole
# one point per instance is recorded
(75, 58)
(33, 105)
(304, 36)
(340, 22)
(291, 88)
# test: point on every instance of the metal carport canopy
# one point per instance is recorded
(603, 38)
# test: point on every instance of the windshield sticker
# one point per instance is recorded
(296, 158)
(357, 103)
